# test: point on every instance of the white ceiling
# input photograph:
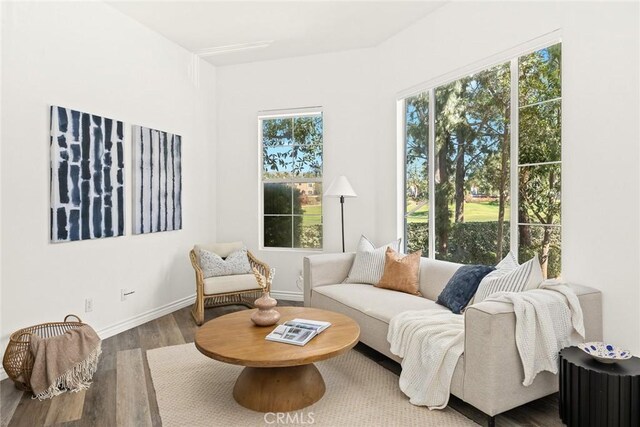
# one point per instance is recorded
(295, 28)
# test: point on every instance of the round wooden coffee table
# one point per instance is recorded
(278, 377)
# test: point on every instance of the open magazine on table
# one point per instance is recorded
(297, 331)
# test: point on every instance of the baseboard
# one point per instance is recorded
(287, 295)
(145, 317)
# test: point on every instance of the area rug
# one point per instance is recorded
(193, 390)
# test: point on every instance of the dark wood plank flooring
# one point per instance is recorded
(122, 392)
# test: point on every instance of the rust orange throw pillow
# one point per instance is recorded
(401, 272)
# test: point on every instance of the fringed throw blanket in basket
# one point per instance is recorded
(65, 362)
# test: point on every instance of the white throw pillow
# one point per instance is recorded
(368, 266)
(510, 277)
(507, 264)
(213, 265)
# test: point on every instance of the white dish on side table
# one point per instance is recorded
(603, 352)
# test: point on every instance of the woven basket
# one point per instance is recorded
(18, 360)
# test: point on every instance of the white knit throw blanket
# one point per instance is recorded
(430, 343)
(546, 319)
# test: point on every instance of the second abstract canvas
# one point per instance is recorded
(158, 180)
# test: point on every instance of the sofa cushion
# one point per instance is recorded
(401, 272)
(462, 286)
(224, 284)
(434, 276)
(368, 265)
(378, 303)
(373, 333)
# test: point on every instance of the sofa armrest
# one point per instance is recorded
(491, 359)
(325, 269)
(590, 302)
(493, 372)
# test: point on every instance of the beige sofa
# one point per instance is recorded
(489, 374)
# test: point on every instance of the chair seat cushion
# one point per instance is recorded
(381, 304)
(235, 283)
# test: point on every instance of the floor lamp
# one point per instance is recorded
(340, 187)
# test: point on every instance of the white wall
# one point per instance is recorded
(344, 85)
(358, 91)
(90, 57)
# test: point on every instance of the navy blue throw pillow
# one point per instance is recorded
(462, 287)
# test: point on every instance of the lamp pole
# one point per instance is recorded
(342, 219)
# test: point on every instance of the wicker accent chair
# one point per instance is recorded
(242, 289)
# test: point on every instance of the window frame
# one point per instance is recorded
(283, 114)
(511, 57)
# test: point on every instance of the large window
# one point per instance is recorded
(291, 185)
(476, 185)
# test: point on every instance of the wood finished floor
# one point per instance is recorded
(122, 392)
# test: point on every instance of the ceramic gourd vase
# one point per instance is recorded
(266, 315)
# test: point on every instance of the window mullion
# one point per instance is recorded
(293, 218)
(402, 193)
(431, 173)
(535, 104)
(513, 119)
(261, 185)
(555, 162)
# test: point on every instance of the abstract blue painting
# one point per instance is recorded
(158, 180)
(87, 182)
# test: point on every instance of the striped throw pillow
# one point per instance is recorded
(510, 277)
(507, 264)
(368, 266)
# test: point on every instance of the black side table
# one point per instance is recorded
(598, 394)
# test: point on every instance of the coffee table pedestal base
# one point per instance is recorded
(279, 389)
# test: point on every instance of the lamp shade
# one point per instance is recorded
(340, 187)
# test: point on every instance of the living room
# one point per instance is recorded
(211, 72)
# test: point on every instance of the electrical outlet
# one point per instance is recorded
(124, 293)
(88, 305)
